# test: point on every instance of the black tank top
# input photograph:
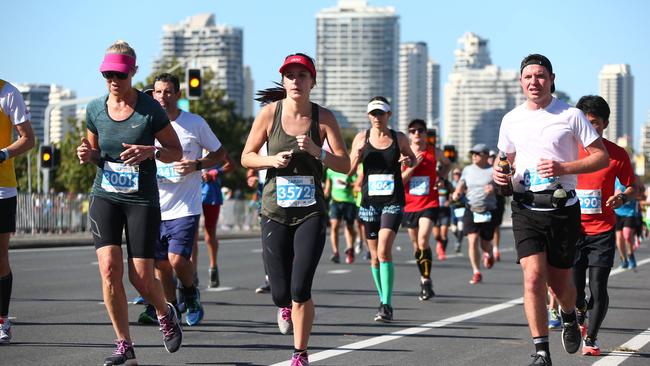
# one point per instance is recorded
(294, 193)
(382, 176)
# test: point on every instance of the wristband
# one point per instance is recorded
(622, 197)
(4, 155)
(199, 165)
(323, 154)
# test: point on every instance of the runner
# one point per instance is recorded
(626, 228)
(294, 220)
(479, 218)
(541, 138)
(421, 197)
(441, 225)
(498, 214)
(596, 249)
(339, 187)
(13, 115)
(382, 203)
(121, 128)
(457, 208)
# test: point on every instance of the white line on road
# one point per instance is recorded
(445, 322)
(339, 271)
(626, 350)
(219, 289)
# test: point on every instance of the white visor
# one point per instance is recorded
(378, 104)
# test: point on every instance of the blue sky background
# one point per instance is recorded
(63, 42)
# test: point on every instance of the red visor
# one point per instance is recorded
(300, 60)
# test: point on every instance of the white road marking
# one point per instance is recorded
(339, 271)
(637, 341)
(219, 289)
(625, 350)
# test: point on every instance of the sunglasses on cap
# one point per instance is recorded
(377, 113)
(419, 130)
(114, 74)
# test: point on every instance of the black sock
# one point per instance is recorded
(299, 351)
(541, 344)
(5, 293)
(189, 293)
(568, 318)
(444, 244)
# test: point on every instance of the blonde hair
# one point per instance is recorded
(122, 47)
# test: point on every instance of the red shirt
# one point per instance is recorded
(594, 222)
(421, 191)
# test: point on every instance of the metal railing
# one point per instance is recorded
(62, 213)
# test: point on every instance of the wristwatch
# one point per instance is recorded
(323, 154)
(156, 154)
(4, 155)
(622, 197)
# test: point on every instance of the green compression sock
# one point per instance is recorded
(377, 278)
(387, 273)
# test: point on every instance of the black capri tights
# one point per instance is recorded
(598, 299)
(291, 254)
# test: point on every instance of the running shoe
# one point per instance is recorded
(554, 320)
(541, 358)
(180, 302)
(571, 336)
(123, 354)
(300, 359)
(497, 254)
(476, 278)
(581, 316)
(171, 330)
(349, 256)
(426, 290)
(624, 264)
(488, 260)
(632, 261)
(335, 259)
(138, 300)
(358, 248)
(385, 314)
(148, 316)
(284, 320)
(214, 277)
(194, 310)
(440, 252)
(264, 288)
(590, 347)
(5, 331)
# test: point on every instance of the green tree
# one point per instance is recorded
(20, 166)
(70, 176)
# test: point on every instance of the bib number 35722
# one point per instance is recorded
(295, 191)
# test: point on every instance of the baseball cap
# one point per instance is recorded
(537, 59)
(479, 148)
(378, 105)
(119, 62)
(300, 60)
(492, 153)
(417, 121)
(148, 89)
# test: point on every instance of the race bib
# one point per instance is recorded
(380, 184)
(590, 201)
(120, 178)
(533, 182)
(481, 217)
(295, 191)
(165, 173)
(419, 186)
(339, 183)
(459, 212)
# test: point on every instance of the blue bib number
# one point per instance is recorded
(590, 201)
(419, 186)
(482, 217)
(535, 183)
(459, 212)
(120, 178)
(295, 191)
(381, 184)
(165, 173)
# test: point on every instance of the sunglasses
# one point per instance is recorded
(377, 113)
(416, 130)
(114, 74)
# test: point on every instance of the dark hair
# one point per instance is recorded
(594, 104)
(270, 95)
(537, 59)
(169, 78)
(379, 97)
(417, 121)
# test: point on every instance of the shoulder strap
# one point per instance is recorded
(315, 125)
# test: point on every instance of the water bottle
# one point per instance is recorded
(505, 190)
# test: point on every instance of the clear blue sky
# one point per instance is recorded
(63, 42)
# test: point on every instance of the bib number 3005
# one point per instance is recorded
(120, 178)
(295, 191)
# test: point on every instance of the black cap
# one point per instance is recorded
(537, 59)
(417, 121)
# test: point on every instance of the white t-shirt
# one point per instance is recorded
(13, 106)
(554, 132)
(180, 196)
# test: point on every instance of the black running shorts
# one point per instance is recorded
(625, 221)
(555, 232)
(411, 219)
(596, 250)
(484, 229)
(8, 215)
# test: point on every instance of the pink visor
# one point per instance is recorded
(300, 60)
(117, 62)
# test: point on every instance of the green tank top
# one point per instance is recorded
(294, 193)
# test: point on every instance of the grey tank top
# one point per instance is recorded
(294, 193)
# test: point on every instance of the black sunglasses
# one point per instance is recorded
(114, 74)
(418, 130)
(377, 112)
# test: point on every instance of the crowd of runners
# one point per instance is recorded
(575, 202)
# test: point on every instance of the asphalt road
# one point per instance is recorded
(60, 318)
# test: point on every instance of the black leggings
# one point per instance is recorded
(598, 299)
(291, 254)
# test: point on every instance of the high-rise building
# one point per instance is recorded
(645, 138)
(248, 93)
(477, 96)
(199, 42)
(433, 95)
(412, 86)
(617, 87)
(37, 97)
(357, 58)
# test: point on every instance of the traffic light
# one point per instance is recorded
(47, 156)
(450, 153)
(194, 83)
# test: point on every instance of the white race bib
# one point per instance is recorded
(295, 191)
(591, 201)
(481, 217)
(381, 184)
(165, 173)
(120, 178)
(533, 182)
(459, 212)
(419, 186)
